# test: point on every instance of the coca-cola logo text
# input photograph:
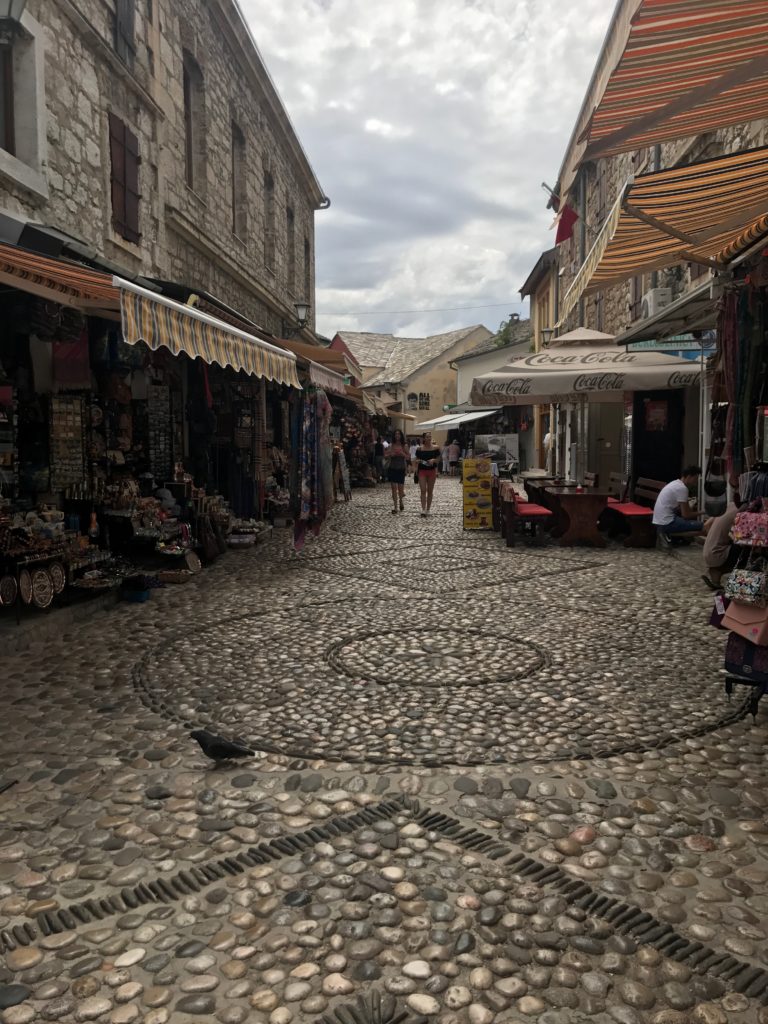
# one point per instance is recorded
(599, 382)
(683, 380)
(515, 386)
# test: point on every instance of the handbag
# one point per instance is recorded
(750, 528)
(745, 659)
(720, 607)
(748, 621)
(749, 584)
(416, 477)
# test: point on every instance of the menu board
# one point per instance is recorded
(476, 485)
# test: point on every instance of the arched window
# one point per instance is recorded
(269, 221)
(239, 178)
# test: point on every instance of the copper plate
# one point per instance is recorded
(42, 588)
(8, 590)
(58, 576)
(193, 563)
(25, 586)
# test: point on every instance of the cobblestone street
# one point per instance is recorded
(490, 785)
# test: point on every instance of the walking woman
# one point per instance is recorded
(398, 462)
(428, 458)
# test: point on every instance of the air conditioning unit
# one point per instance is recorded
(654, 301)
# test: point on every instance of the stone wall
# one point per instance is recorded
(186, 234)
(612, 310)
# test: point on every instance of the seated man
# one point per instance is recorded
(672, 513)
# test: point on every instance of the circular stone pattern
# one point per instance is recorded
(295, 684)
(424, 657)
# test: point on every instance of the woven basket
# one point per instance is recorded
(174, 576)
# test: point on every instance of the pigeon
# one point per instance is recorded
(219, 749)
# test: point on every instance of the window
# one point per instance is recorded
(413, 401)
(125, 26)
(269, 221)
(290, 228)
(7, 130)
(599, 312)
(194, 125)
(423, 400)
(124, 154)
(239, 177)
(307, 271)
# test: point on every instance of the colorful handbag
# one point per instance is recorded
(748, 582)
(750, 528)
(748, 621)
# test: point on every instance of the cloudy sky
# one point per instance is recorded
(431, 125)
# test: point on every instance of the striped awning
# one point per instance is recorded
(671, 69)
(159, 321)
(326, 379)
(62, 281)
(708, 213)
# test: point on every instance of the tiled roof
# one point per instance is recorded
(369, 349)
(519, 333)
(400, 357)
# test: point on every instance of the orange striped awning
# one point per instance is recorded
(69, 284)
(673, 69)
(709, 213)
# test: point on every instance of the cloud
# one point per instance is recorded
(431, 125)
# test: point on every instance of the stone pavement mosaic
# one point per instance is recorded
(490, 785)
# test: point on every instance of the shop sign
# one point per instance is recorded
(478, 502)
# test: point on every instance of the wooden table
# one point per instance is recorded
(579, 512)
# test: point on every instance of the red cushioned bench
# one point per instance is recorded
(515, 511)
(638, 518)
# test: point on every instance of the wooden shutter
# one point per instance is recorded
(125, 160)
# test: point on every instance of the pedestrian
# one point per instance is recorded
(428, 459)
(454, 454)
(445, 453)
(719, 553)
(413, 448)
(378, 459)
(398, 463)
(672, 513)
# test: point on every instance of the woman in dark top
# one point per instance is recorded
(427, 458)
(398, 461)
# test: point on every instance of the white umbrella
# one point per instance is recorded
(569, 371)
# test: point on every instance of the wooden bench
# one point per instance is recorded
(638, 518)
(515, 511)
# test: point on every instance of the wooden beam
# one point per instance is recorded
(660, 225)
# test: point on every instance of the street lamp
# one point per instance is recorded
(302, 317)
(11, 12)
(547, 334)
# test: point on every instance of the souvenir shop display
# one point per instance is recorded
(67, 442)
(743, 607)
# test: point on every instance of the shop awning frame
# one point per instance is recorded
(695, 310)
(706, 213)
(159, 321)
(61, 281)
(672, 69)
(455, 419)
(326, 379)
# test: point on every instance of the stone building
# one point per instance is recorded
(148, 137)
(411, 376)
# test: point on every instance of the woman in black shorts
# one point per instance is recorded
(398, 462)
(428, 457)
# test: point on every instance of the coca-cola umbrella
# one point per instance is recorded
(571, 371)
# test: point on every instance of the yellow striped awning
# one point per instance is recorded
(671, 69)
(709, 213)
(158, 321)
